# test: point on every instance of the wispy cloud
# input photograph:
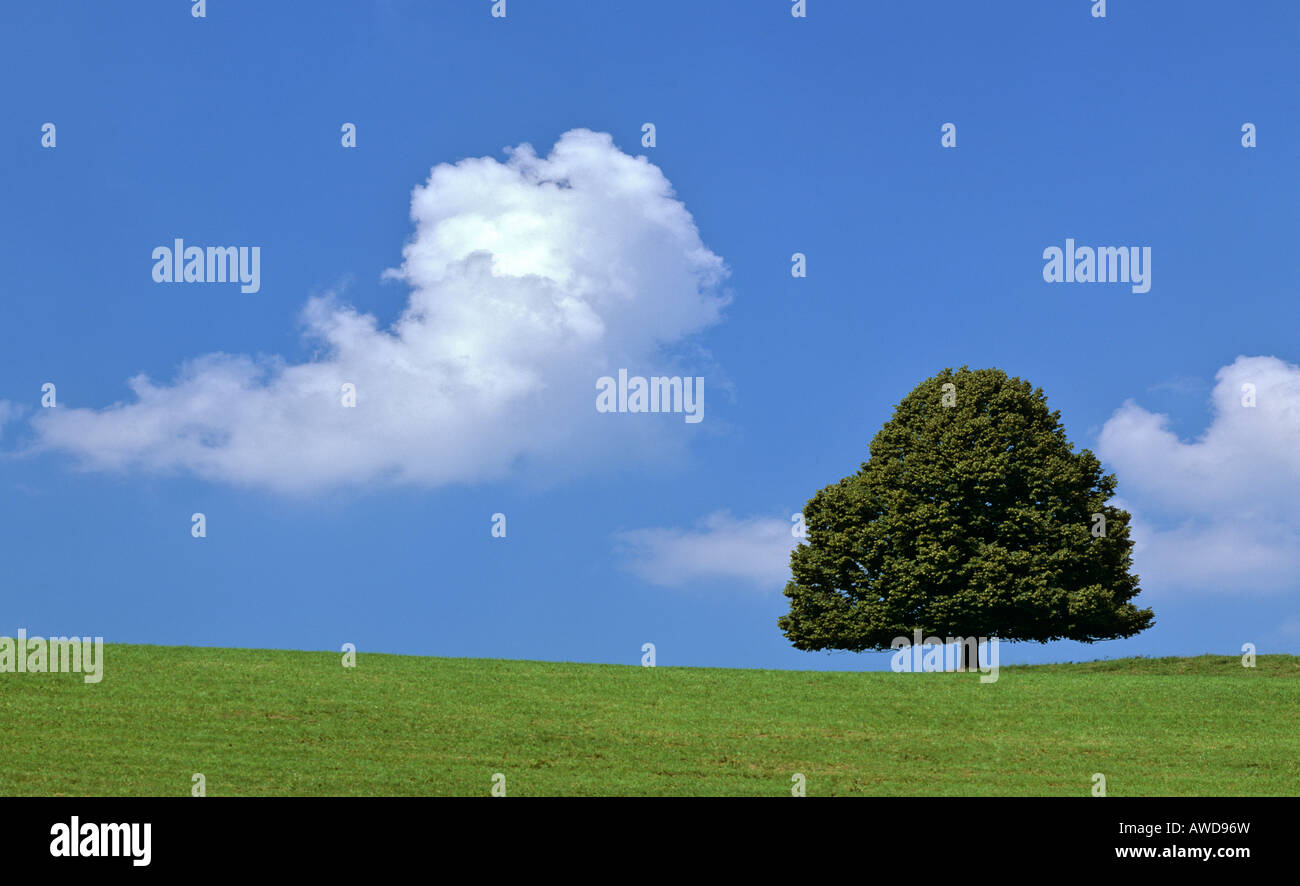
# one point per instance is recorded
(9, 412)
(753, 551)
(1182, 384)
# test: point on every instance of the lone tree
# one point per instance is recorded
(973, 517)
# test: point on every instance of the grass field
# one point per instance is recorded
(268, 722)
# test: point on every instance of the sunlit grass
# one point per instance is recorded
(270, 722)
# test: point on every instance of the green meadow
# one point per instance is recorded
(261, 722)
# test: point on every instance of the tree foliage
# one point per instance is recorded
(971, 519)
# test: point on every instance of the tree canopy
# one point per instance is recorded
(972, 517)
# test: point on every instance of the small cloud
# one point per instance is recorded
(753, 551)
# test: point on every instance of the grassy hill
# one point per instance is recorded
(271, 722)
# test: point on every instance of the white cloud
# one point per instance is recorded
(530, 279)
(1221, 513)
(754, 551)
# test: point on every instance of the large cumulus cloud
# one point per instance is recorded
(529, 279)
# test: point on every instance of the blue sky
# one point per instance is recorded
(778, 135)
